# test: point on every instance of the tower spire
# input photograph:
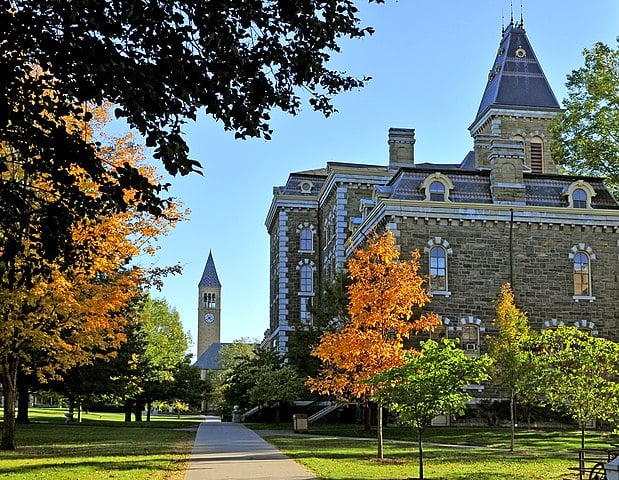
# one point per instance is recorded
(209, 276)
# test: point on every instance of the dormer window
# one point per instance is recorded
(437, 192)
(579, 198)
(579, 194)
(437, 187)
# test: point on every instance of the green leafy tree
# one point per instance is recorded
(245, 375)
(585, 137)
(275, 386)
(186, 387)
(230, 357)
(577, 373)
(511, 366)
(165, 344)
(430, 383)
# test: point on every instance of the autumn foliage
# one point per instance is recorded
(68, 310)
(384, 296)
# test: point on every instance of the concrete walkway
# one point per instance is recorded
(230, 451)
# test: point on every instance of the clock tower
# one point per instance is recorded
(209, 307)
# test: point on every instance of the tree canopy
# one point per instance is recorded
(511, 368)
(385, 293)
(163, 62)
(59, 310)
(577, 372)
(430, 382)
(585, 137)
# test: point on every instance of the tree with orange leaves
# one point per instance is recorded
(384, 295)
(60, 309)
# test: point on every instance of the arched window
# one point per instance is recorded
(582, 275)
(307, 279)
(437, 192)
(307, 240)
(210, 300)
(438, 269)
(436, 188)
(470, 339)
(579, 198)
(579, 194)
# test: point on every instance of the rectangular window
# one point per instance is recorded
(536, 158)
(307, 279)
(306, 316)
(307, 240)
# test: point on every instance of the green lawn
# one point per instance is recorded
(450, 453)
(102, 446)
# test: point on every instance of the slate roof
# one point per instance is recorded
(516, 78)
(209, 276)
(209, 360)
(542, 190)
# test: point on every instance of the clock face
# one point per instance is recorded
(209, 318)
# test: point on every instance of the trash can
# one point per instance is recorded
(612, 469)
(236, 414)
(300, 423)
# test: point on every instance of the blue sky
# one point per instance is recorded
(429, 61)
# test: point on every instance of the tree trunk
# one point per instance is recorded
(419, 434)
(379, 421)
(139, 406)
(367, 416)
(8, 375)
(582, 435)
(128, 410)
(512, 417)
(23, 397)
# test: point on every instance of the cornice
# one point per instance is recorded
(546, 114)
(347, 174)
(289, 201)
(386, 209)
(491, 211)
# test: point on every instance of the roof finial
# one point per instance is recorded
(502, 21)
(521, 16)
(511, 8)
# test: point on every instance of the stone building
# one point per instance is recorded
(505, 213)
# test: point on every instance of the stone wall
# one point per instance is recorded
(542, 269)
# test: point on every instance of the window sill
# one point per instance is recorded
(307, 251)
(578, 298)
(441, 293)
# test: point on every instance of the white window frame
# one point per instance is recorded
(589, 254)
